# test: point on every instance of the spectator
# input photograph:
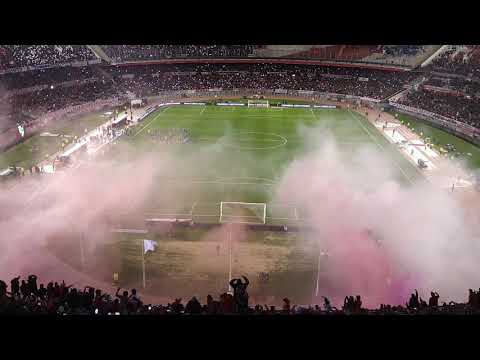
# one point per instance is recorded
(24, 289)
(32, 284)
(326, 304)
(42, 292)
(240, 294)
(286, 306)
(15, 285)
(177, 306)
(193, 306)
(80, 302)
(433, 301)
(414, 303)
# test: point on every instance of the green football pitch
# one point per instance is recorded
(235, 155)
(233, 146)
(37, 147)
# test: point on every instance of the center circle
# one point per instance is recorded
(277, 140)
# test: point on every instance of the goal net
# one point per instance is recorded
(258, 103)
(243, 213)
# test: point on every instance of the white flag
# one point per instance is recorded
(21, 130)
(149, 245)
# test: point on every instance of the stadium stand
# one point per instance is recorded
(18, 56)
(452, 89)
(459, 60)
(402, 55)
(27, 297)
(450, 105)
(360, 82)
(36, 91)
(121, 53)
(337, 52)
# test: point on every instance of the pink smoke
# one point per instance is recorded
(384, 238)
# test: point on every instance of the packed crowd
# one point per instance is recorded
(120, 53)
(31, 93)
(354, 81)
(460, 85)
(50, 76)
(460, 60)
(458, 107)
(27, 297)
(34, 92)
(17, 56)
(57, 97)
(402, 50)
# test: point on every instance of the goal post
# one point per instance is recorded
(243, 213)
(258, 103)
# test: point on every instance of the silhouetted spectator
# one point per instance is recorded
(3, 288)
(193, 306)
(24, 289)
(227, 304)
(134, 300)
(433, 301)
(326, 304)
(42, 291)
(123, 298)
(177, 306)
(32, 284)
(358, 304)
(240, 294)
(414, 303)
(15, 285)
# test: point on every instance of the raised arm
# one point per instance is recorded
(246, 280)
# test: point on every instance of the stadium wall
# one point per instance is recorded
(309, 96)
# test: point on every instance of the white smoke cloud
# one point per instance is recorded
(426, 241)
(427, 238)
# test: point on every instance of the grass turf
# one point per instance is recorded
(36, 148)
(439, 138)
(235, 154)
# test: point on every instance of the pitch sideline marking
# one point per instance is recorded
(246, 177)
(151, 121)
(379, 145)
(408, 159)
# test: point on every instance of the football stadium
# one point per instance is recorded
(239, 179)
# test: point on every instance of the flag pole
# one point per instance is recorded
(143, 263)
(82, 251)
(229, 259)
